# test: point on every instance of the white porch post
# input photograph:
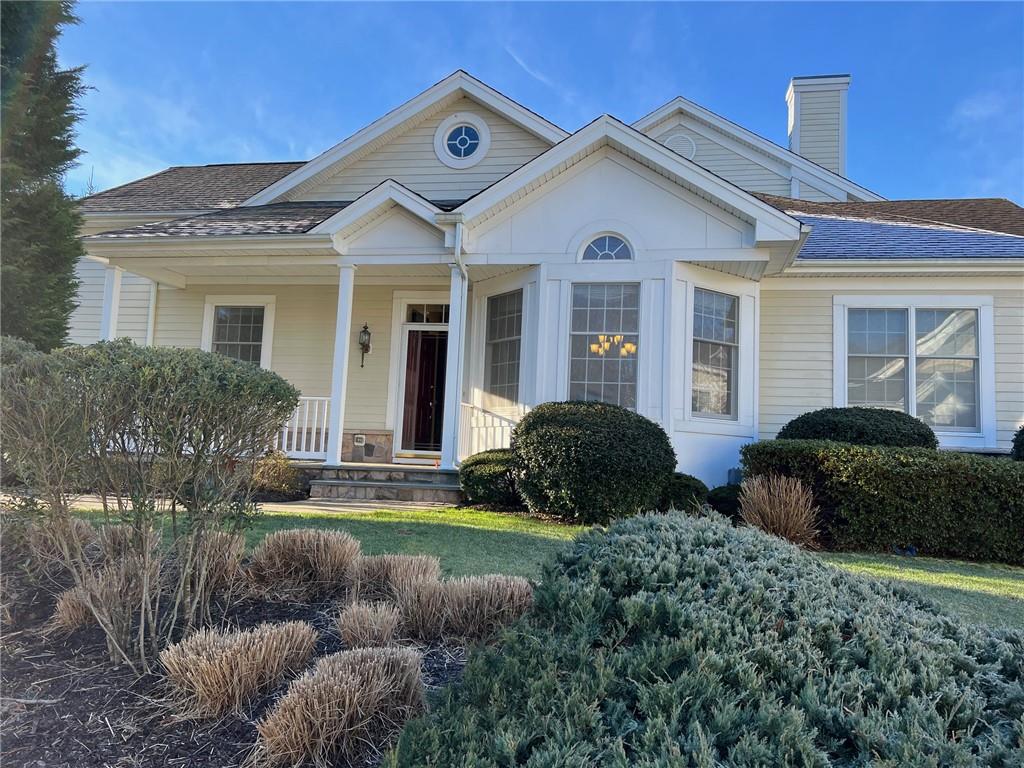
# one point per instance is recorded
(453, 369)
(339, 368)
(111, 303)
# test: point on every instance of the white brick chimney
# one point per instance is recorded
(817, 119)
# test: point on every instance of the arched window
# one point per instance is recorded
(607, 248)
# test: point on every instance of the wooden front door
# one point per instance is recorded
(423, 413)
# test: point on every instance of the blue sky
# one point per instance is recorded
(936, 108)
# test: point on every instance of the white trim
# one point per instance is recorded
(455, 84)
(269, 304)
(770, 224)
(400, 299)
(339, 363)
(441, 140)
(985, 437)
(594, 229)
(111, 302)
(454, 366)
(729, 128)
(154, 293)
(387, 192)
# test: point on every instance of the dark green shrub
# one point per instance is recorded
(487, 478)
(589, 461)
(672, 640)
(725, 499)
(683, 493)
(1017, 449)
(861, 426)
(873, 498)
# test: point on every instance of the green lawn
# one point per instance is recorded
(983, 593)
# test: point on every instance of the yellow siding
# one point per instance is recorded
(303, 339)
(730, 165)
(84, 324)
(410, 160)
(796, 347)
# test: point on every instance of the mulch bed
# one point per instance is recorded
(64, 704)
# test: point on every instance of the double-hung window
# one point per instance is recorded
(715, 353)
(604, 342)
(239, 327)
(503, 348)
(923, 357)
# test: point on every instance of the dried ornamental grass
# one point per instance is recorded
(303, 562)
(222, 554)
(782, 506)
(350, 704)
(50, 543)
(478, 606)
(71, 612)
(376, 577)
(363, 625)
(213, 672)
(117, 541)
(422, 604)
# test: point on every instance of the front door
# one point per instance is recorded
(423, 412)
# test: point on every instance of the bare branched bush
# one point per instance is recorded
(375, 577)
(478, 606)
(782, 506)
(422, 604)
(157, 432)
(303, 563)
(212, 672)
(53, 543)
(349, 703)
(363, 625)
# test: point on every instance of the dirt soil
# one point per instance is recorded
(64, 704)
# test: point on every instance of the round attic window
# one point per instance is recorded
(462, 140)
(682, 144)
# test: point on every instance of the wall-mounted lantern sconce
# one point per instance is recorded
(364, 343)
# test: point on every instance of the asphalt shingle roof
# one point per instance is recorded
(989, 213)
(834, 237)
(190, 188)
(273, 219)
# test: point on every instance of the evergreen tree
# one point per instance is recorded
(39, 243)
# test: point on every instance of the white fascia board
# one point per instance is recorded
(814, 267)
(456, 82)
(386, 193)
(812, 170)
(771, 224)
(122, 247)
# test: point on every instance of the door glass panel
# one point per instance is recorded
(424, 390)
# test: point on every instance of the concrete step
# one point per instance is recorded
(386, 490)
(393, 474)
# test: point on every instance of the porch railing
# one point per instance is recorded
(304, 435)
(481, 430)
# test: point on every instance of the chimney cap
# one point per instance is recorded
(817, 83)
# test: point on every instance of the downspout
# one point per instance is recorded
(458, 250)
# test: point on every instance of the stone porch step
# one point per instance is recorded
(387, 473)
(430, 491)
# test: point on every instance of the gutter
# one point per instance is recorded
(458, 220)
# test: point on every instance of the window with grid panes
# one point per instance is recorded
(715, 345)
(238, 333)
(501, 356)
(604, 342)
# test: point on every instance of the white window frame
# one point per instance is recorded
(737, 357)
(985, 437)
(441, 139)
(485, 395)
(269, 304)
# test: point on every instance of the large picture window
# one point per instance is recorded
(920, 360)
(503, 348)
(238, 333)
(715, 345)
(604, 342)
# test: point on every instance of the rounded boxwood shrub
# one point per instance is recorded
(682, 493)
(861, 426)
(725, 499)
(589, 461)
(1017, 449)
(486, 479)
(675, 640)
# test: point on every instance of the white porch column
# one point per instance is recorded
(339, 368)
(453, 369)
(111, 303)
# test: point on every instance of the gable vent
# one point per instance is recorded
(682, 144)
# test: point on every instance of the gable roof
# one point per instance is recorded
(753, 140)
(189, 188)
(457, 85)
(607, 130)
(988, 213)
